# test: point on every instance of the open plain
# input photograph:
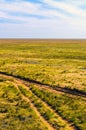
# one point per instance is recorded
(42, 84)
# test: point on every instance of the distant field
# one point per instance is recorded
(42, 84)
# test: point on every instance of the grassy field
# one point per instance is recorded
(42, 84)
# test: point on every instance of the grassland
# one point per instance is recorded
(43, 84)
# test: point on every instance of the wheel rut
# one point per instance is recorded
(70, 92)
(33, 106)
(18, 81)
(69, 126)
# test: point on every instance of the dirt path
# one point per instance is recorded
(17, 81)
(69, 126)
(69, 92)
(60, 89)
(27, 83)
(32, 106)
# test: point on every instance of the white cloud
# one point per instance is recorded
(3, 14)
(69, 21)
(67, 7)
(42, 29)
(29, 8)
(37, 9)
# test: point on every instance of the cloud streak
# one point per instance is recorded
(71, 8)
(44, 14)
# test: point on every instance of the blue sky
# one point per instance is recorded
(42, 18)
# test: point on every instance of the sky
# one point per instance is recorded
(43, 19)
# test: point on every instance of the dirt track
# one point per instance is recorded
(26, 82)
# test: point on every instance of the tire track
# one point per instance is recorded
(17, 82)
(34, 108)
(53, 88)
(69, 126)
